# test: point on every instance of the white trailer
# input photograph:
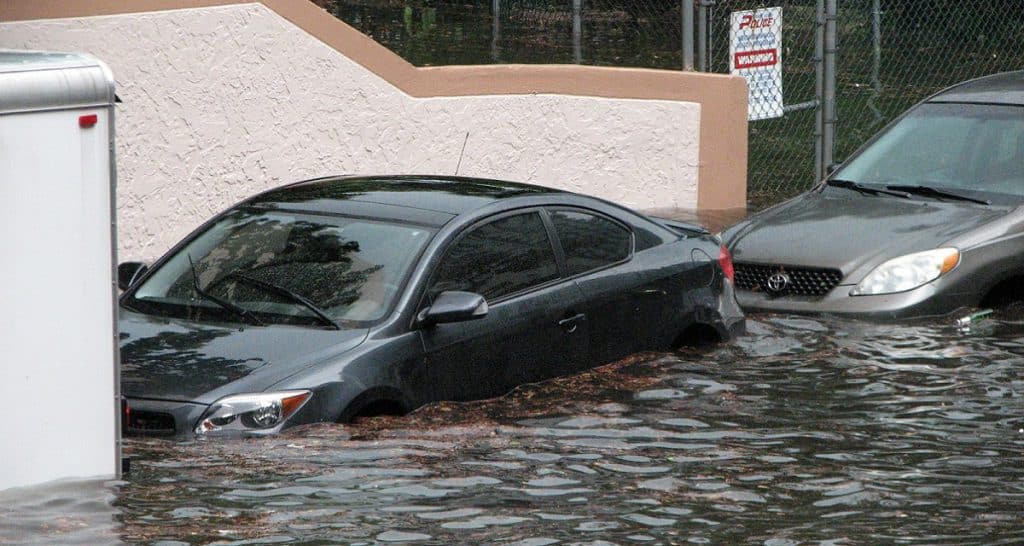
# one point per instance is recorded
(58, 318)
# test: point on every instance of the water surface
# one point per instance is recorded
(806, 431)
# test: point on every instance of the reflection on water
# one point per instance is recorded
(79, 512)
(804, 431)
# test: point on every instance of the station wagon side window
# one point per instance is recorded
(590, 241)
(498, 258)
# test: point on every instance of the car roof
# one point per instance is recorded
(1004, 88)
(429, 199)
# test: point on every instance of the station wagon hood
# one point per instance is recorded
(180, 360)
(852, 233)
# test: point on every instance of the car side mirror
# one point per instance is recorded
(129, 272)
(454, 306)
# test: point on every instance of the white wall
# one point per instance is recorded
(222, 102)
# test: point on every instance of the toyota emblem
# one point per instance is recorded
(778, 283)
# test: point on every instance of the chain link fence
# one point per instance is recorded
(890, 55)
(642, 33)
(781, 149)
(894, 53)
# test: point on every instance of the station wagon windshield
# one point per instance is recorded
(283, 267)
(963, 148)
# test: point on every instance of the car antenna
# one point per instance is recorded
(459, 164)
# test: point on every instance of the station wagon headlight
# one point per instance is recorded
(908, 272)
(251, 412)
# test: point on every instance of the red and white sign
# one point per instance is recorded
(755, 52)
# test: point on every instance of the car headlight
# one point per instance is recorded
(251, 412)
(908, 272)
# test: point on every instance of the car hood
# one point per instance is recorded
(853, 233)
(180, 360)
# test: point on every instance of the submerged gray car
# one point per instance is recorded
(925, 219)
(337, 298)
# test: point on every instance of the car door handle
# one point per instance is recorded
(570, 324)
(650, 292)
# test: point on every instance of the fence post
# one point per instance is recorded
(702, 34)
(828, 111)
(577, 31)
(876, 34)
(819, 88)
(495, 30)
(687, 7)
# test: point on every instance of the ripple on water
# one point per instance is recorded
(661, 394)
(551, 482)
(633, 469)
(806, 431)
(450, 514)
(683, 422)
(649, 521)
(482, 522)
(402, 536)
(535, 541)
(589, 422)
(468, 481)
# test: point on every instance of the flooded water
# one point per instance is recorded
(805, 431)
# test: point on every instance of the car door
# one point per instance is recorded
(534, 328)
(673, 278)
(597, 251)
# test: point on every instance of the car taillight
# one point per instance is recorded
(725, 260)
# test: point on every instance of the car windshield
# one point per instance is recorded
(960, 147)
(282, 267)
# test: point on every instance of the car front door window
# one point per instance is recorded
(500, 258)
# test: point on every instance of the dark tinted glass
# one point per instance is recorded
(646, 239)
(498, 258)
(590, 241)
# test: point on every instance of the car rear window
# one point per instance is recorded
(590, 241)
(498, 258)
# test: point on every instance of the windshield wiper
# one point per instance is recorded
(244, 313)
(866, 190)
(298, 298)
(935, 192)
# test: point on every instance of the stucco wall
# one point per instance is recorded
(222, 102)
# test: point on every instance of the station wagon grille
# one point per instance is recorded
(802, 281)
(149, 423)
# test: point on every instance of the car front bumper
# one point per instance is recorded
(930, 300)
(160, 418)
